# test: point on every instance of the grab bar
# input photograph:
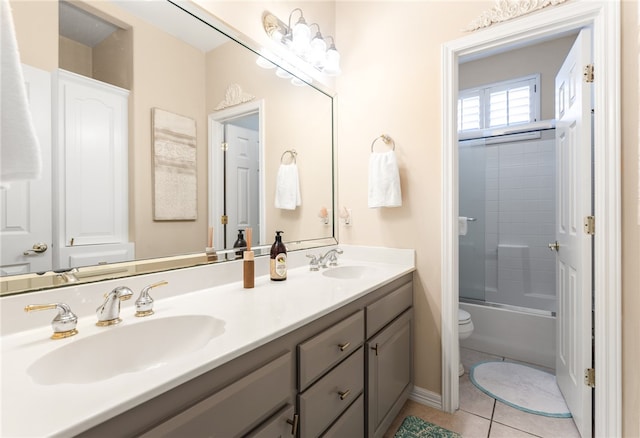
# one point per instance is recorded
(471, 219)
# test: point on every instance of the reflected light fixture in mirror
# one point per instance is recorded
(298, 40)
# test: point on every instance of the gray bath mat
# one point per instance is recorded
(522, 387)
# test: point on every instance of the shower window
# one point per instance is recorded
(500, 104)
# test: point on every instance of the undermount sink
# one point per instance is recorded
(349, 272)
(125, 349)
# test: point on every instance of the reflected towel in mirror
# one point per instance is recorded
(288, 187)
(20, 156)
(384, 180)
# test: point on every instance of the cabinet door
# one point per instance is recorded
(282, 425)
(92, 167)
(389, 373)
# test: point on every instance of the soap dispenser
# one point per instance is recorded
(240, 243)
(278, 268)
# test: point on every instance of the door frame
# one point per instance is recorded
(216, 122)
(604, 18)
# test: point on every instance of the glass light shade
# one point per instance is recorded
(264, 62)
(301, 37)
(298, 82)
(282, 73)
(277, 36)
(332, 64)
(318, 51)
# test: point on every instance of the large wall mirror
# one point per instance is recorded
(161, 135)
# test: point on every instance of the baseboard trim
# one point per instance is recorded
(426, 397)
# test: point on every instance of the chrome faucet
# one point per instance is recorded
(109, 312)
(144, 303)
(67, 275)
(331, 257)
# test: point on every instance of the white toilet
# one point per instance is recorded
(465, 328)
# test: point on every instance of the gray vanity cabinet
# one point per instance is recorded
(345, 374)
(389, 361)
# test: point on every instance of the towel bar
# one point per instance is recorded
(387, 140)
(291, 152)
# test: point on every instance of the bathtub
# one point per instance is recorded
(528, 336)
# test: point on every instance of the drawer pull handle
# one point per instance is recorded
(375, 348)
(344, 346)
(344, 394)
(294, 424)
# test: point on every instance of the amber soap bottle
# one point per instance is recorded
(278, 262)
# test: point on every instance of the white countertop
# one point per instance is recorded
(252, 317)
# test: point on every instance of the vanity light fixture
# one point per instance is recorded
(298, 39)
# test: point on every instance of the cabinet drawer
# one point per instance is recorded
(387, 308)
(236, 409)
(350, 424)
(326, 349)
(330, 396)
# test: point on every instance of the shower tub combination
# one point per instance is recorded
(507, 272)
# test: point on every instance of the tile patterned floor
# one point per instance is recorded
(482, 416)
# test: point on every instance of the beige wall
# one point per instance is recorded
(630, 90)
(75, 57)
(544, 59)
(36, 24)
(391, 84)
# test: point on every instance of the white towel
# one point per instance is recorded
(463, 225)
(19, 149)
(384, 180)
(288, 187)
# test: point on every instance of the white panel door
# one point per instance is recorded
(574, 186)
(242, 182)
(93, 153)
(25, 215)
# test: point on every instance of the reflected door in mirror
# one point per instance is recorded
(26, 206)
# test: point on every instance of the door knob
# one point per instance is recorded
(37, 248)
(555, 246)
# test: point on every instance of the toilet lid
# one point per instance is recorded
(463, 316)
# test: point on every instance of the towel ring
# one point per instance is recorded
(292, 153)
(387, 140)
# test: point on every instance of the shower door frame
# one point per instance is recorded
(604, 18)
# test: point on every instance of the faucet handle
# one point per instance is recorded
(144, 303)
(333, 257)
(314, 263)
(64, 324)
